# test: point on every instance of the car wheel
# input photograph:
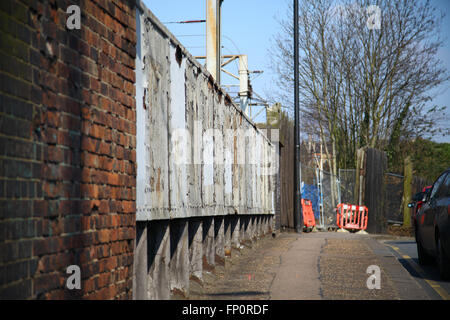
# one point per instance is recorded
(443, 261)
(424, 258)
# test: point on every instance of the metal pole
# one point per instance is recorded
(213, 17)
(298, 217)
(243, 83)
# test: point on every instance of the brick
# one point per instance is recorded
(53, 154)
(69, 138)
(16, 148)
(68, 207)
(106, 163)
(10, 26)
(66, 133)
(16, 107)
(15, 47)
(15, 67)
(15, 127)
(16, 169)
(13, 272)
(69, 173)
(91, 145)
(16, 291)
(47, 282)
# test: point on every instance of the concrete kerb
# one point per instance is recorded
(407, 287)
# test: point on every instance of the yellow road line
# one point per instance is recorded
(438, 289)
(435, 286)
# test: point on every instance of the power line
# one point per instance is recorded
(190, 35)
(186, 21)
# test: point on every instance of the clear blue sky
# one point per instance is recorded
(247, 28)
(444, 54)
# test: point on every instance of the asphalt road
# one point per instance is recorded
(426, 276)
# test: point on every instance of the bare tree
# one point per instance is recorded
(363, 86)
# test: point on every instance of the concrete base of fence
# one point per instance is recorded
(219, 241)
(195, 233)
(158, 251)
(173, 257)
(245, 233)
(235, 225)
(265, 225)
(208, 244)
(227, 236)
(140, 291)
(179, 265)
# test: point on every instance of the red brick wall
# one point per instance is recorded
(67, 148)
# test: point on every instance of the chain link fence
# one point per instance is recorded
(393, 198)
(347, 178)
(394, 195)
(326, 191)
(330, 198)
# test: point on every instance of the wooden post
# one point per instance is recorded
(360, 175)
(408, 170)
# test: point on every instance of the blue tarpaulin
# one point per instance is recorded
(311, 192)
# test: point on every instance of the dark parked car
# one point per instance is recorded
(433, 226)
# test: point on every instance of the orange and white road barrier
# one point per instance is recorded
(351, 217)
(308, 214)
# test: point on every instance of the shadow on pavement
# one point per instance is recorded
(430, 272)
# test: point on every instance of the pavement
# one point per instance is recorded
(324, 266)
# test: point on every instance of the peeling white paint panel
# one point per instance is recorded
(252, 150)
(141, 182)
(188, 163)
(208, 160)
(228, 164)
(208, 149)
(178, 134)
(194, 149)
(241, 150)
(152, 90)
(235, 169)
(218, 121)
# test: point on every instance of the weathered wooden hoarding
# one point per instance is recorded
(197, 153)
